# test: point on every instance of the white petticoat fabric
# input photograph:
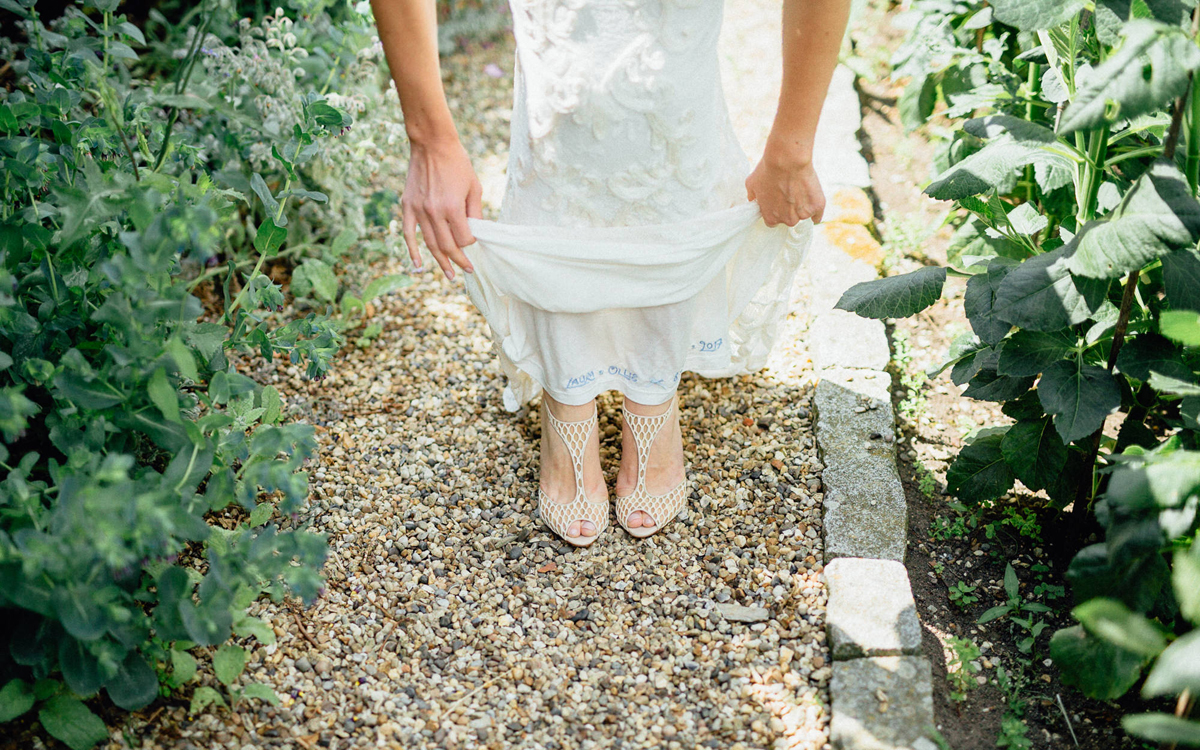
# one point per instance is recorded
(626, 252)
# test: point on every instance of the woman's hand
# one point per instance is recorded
(786, 188)
(441, 192)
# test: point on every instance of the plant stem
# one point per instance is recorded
(1031, 79)
(180, 86)
(1083, 499)
(1173, 133)
(1093, 174)
(261, 258)
(1193, 152)
(104, 62)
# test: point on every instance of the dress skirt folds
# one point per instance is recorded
(626, 252)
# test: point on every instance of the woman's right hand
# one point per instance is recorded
(441, 192)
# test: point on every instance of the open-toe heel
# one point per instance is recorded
(662, 508)
(560, 516)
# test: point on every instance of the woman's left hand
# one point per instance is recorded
(786, 188)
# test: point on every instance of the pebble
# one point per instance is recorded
(451, 617)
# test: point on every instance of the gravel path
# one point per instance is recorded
(453, 618)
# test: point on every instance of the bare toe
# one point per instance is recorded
(588, 528)
(574, 528)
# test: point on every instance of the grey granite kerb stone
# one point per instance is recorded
(881, 691)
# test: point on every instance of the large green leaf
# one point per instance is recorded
(1078, 396)
(1135, 581)
(993, 166)
(67, 719)
(1042, 295)
(1149, 352)
(135, 685)
(1182, 326)
(269, 237)
(917, 101)
(80, 668)
(1114, 622)
(385, 285)
(270, 203)
(1149, 69)
(87, 393)
(1035, 15)
(988, 385)
(1181, 277)
(262, 692)
(1111, 15)
(973, 244)
(228, 663)
(163, 395)
(979, 301)
(1095, 666)
(79, 611)
(1185, 577)
(1034, 452)
(963, 346)
(15, 699)
(895, 296)
(994, 126)
(1177, 669)
(1031, 352)
(315, 276)
(1164, 728)
(1156, 216)
(979, 472)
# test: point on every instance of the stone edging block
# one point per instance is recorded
(865, 514)
(871, 611)
(881, 692)
(881, 703)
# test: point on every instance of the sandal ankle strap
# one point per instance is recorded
(574, 436)
(645, 431)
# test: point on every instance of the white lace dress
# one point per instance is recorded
(626, 251)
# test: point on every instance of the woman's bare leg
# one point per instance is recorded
(665, 467)
(558, 474)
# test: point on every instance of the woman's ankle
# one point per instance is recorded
(648, 410)
(568, 412)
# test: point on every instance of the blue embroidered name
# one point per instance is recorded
(581, 380)
(630, 376)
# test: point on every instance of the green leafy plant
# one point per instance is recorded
(926, 481)
(124, 425)
(961, 593)
(1136, 608)
(1022, 520)
(958, 526)
(1073, 164)
(961, 670)
(1013, 729)
(1019, 612)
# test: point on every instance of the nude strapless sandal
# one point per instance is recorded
(560, 516)
(662, 508)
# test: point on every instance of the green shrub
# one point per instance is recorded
(124, 426)
(1076, 179)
